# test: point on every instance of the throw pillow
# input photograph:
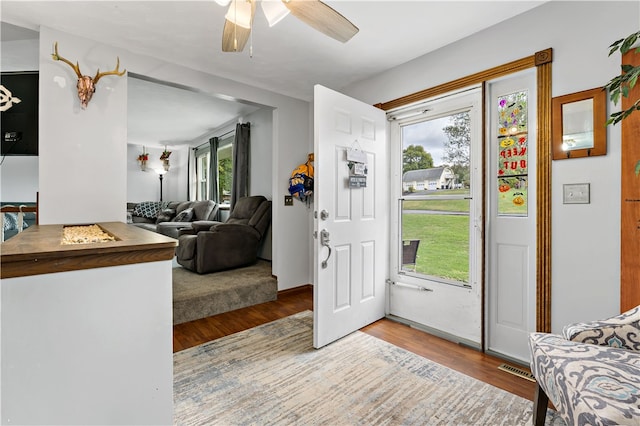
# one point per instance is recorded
(10, 222)
(184, 216)
(166, 215)
(147, 209)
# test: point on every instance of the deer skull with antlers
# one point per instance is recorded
(86, 84)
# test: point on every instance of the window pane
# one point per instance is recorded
(436, 184)
(513, 172)
(225, 164)
(435, 155)
(441, 228)
(203, 173)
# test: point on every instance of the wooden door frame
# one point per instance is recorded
(542, 62)
(630, 196)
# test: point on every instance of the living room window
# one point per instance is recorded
(225, 169)
(202, 172)
(222, 180)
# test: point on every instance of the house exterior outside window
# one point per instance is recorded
(428, 179)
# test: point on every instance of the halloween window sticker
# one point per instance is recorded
(512, 170)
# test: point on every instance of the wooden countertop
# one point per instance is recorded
(38, 250)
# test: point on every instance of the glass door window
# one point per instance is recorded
(436, 227)
(437, 222)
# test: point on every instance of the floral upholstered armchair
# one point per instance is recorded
(591, 373)
(621, 331)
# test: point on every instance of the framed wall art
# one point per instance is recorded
(19, 113)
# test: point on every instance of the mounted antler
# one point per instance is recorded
(86, 85)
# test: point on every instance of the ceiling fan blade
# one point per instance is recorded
(237, 25)
(234, 37)
(323, 18)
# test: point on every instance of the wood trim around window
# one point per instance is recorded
(542, 61)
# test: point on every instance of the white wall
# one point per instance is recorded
(261, 165)
(18, 173)
(86, 347)
(19, 179)
(261, 158)
(82, 153)
(585, 238)
(20, 55)
(145, 185)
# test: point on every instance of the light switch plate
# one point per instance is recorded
(576, 193)
(288, 200)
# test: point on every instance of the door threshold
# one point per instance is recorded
(435, 332)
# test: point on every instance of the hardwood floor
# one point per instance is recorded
(457, 357)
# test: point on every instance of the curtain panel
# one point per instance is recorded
(240, 182)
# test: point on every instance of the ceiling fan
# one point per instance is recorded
(315, 13)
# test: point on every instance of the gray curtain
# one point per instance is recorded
(240, 181)
(190, 153)
(213, 170)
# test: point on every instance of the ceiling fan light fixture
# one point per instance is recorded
(274, 10)
(223, 2)
(239, 13)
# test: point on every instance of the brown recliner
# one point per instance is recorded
(215, 246)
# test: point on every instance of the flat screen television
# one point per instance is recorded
(19, 119)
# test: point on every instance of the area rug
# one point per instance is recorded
(198, 296)
(271, 375)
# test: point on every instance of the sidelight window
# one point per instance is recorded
(513, 167)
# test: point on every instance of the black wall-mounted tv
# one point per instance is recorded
(19, 122)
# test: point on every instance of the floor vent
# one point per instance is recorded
(517, 372)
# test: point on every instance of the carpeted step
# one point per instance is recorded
(199, 296)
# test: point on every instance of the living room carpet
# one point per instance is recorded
(272, 375)
(198, 296)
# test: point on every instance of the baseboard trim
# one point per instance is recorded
(299, 289)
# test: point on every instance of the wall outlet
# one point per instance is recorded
(288, 200)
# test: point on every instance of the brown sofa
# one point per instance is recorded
(170, 216)
(215, 246)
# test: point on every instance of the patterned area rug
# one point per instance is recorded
(272, 375)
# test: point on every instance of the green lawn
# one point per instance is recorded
(440, 205)
(505, 202)
(444, 239)
(444, 244)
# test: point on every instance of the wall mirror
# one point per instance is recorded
(579, 124)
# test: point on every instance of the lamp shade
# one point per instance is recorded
(274, 10)
(239, 13)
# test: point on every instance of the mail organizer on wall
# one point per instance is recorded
(357, 163)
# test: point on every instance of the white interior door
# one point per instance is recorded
(511, 183)
(351, 224)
